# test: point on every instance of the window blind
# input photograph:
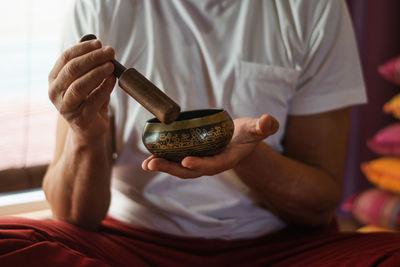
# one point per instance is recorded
(29, 46)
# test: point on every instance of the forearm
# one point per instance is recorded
(77, 185)
(296, 192)
(303, 187)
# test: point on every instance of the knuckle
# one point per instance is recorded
(72, 68)
(66, 56)
(50, 77)
(63, 111)
(95, 57)
(109, 52)
(101, 55)
(75, 90)
(52, 95)
(92, 57)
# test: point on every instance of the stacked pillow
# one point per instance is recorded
(376, 207)
(391, 70)
(380, 206)
(384, 173)
(393, 106)
(386, 141)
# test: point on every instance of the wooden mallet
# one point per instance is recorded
(143, 91)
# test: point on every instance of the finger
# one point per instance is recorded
(145, 163)
(98, 98)
(211, 165)
(83, 86)
(78, 66)
(73, 52)
(173, 168)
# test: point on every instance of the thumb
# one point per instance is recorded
(266, 125)
(249, 130)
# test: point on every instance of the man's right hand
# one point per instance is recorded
(80, 85)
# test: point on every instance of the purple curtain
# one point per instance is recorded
(377, 26)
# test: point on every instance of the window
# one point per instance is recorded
(29, 46)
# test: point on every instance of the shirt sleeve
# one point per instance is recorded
(331, 75)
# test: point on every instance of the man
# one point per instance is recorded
(268, 63)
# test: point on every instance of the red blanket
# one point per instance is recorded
(25, 242)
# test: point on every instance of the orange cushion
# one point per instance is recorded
(370, 228)
(384, 173)
(393, 106)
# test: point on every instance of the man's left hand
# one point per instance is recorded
(248, 133)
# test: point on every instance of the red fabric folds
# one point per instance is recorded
(49, 243)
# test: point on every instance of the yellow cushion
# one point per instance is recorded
(384, 173)
(369, 228)
(393, 106)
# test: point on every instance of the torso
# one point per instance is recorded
(243, 56)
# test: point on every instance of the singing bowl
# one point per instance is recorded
(200, 133)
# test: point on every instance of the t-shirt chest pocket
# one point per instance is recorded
(260, 89)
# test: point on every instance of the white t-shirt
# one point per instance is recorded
(293, 57)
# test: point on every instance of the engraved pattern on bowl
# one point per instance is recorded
(195, 133)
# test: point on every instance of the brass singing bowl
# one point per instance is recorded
(204, 132)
